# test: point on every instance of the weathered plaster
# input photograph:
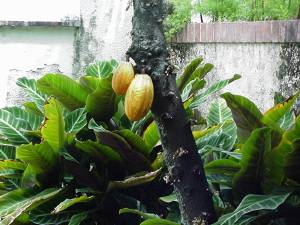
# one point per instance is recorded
(31, 51)
(105, 32)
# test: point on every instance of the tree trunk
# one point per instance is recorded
(298, 16)
(149, 51)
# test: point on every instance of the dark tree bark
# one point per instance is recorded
(149, 51)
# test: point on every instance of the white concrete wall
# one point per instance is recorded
(105, 32)
(31, 52)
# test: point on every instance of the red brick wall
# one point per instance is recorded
(240, 32)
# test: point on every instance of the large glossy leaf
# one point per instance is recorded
(75, 121)
(222, 136)
(158, 222)
(33, 120)
(135, 160)
(222, 166)
(252, 203)
(249, 179)
(245, 114)
(7, 152)
(136, 142)
(187, 73)
(41, 157)
(199, 99)
(101, 69)
(102, 103)
(99, 152)
(12, 164)
(66, 90)
(144, 215)
(67, 203)
(151, 135)
(287, 121)
(54, 127)
(42, 218)
(15, 203)
(133, 181)
(78, 218)
(218, 113)
(30, 86)
(277, 159)
(273, 115)
(90, 83)
(10, 127)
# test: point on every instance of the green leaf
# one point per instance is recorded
(33, 120)
(287, 121)
(280, 157)
(144, 215)
(273, 115)
(33, 108)
(222, 166)
(136, 142)
(54, 127)
(41, 218)
(67, 203)
(252, 203)
(11, 127)
(188, 71)
(249, 178)
(102, 103)
(134, 160)
(199, 99)
(169, 198)
(101, 69)
(99, 152)
(218, 113)
(30, 86)
(158, 222)
(151, 136)
(89, 83)
(7, 152)
(75, 121)
(221, 136)
(41, 157)
(133, 181)
(15, 203)
(12, 164)
(245, 114)
(78, 218)
(65, 89)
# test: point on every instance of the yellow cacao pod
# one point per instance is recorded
(122, 78)
(139, 97)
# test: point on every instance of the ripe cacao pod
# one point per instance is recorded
(122, 78)
(139, 97)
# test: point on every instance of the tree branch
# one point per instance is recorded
(186, 173)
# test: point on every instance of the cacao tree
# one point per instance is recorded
(186, 173)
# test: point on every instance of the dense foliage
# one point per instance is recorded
(230, 10)
(181, 15)
(71, 156)
(249, 10)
